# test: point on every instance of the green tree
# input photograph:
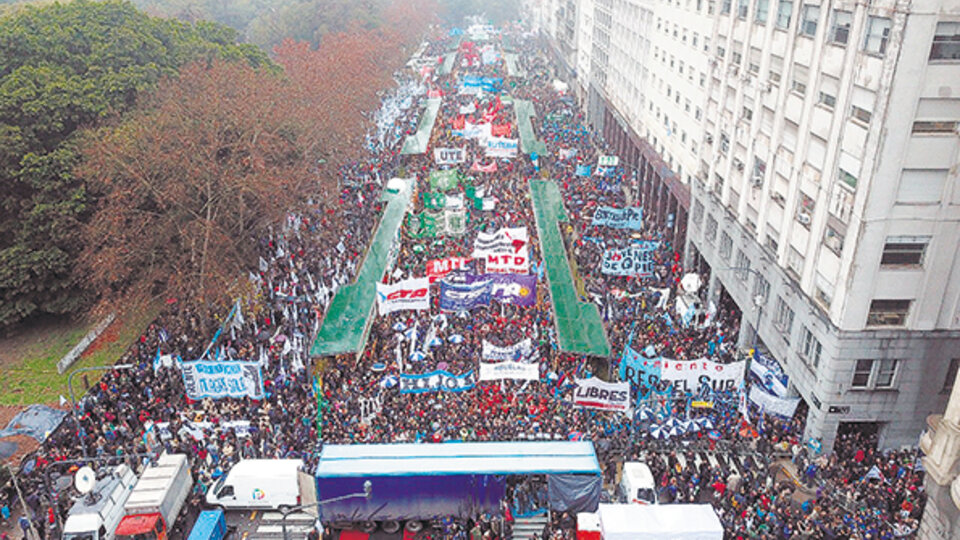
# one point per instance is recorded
(64, 66)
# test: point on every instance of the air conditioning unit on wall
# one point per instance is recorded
(803, 217)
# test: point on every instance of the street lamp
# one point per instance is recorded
(366, 494)
(73, 401)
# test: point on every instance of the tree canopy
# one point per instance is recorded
(63, 66)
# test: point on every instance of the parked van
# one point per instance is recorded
(95, 516)
(258, 483)
(637, 485)
(210, 525)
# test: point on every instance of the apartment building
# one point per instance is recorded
(816, 172)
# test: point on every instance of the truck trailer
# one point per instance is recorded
(156, 500)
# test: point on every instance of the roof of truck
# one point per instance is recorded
(137, 524)
(520, 457)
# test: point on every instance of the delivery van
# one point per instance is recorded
(637, 485)
(257, 483)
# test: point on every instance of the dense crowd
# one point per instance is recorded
(318, 250)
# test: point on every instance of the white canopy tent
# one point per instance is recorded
(657, 522)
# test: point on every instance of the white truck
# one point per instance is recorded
(258, 483)
(156, 500)
(96, 515)
(637, 484)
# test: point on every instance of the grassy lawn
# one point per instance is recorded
(31, 376)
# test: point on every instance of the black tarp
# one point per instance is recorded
(574, 492)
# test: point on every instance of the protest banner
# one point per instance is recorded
(608, 161)
(522, 350)
(696, 376)
(438, 268)
(407, 294)
(489, 168)
(593, 393)
(516, 289)
(769, 374)
(444, 180)
(582, 170)
(509, 370)
(436, 381)
(501, 147)
(464, 296)
(506, 240)
(475, 131)
(501, 130)
(770, 404)
(619, 218)
(216, 380)
(449, 156)
(508, 263)
(630, 261)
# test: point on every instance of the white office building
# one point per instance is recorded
(815, 171)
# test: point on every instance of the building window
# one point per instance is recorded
(860, 114)
(726, 246)
(877, 35)
(903, 254)
(763, 7)
(861, 373)
(799, 82)
(888, 312)
(697, 213)
(743, 265)
(742, 7)
(725, 7)
(827, 100)
(874, 373)
(710, 233)
(724, 143)
(761, 289)
(810, 348)
(946, 128)
(833, 240)
(946, 41)
(784, 9)
(951, 377)
(840, 27)
(808, 21)
(783, 319)
(847, 178)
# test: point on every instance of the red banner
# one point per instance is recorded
(438, 268)
(501, 130)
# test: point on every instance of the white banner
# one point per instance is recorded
(509, 370)
(210, 379)
(518, 351)
(695, 376)
(449, 156)
(783, 407)
(593, 393)
(504, 240)
(407, 294)
(508, 263)
(501, 147)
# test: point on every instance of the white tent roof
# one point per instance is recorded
(654, 522)
(458, 458)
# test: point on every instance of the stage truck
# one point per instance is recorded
(412, 484)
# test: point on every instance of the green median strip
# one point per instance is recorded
(528, 140)
(345, 327)
(417, 143)
(579, 327)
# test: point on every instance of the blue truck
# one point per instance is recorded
(210, 525)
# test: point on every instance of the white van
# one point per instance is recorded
(258, 483)
(637, 485)
(95, 516)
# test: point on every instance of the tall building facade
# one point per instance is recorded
(815, 171)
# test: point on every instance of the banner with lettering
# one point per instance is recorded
(407, 294)
(488, 168)
(516, 289)
(438, 268)
(501, 130)
(509, 370)
(464, 296)
(770, 404)
(506, 240)
(216, 380)
(619, 218)
(593, 393)
(449, 156)
(434, 381)
(769, 373)
(444, 180)
(635, 260)
(501, 147)
(695, 376)
(508, 263)
(522, 350)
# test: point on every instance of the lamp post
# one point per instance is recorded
(73, 401)
(32, 531)
(366, 494)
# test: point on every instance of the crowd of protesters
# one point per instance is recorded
(854, 492)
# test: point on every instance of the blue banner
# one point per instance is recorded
(437, 381)
(491, 84)
(472, 80)
(206, 379)
(465, 296)
(583, 170)
(638, 370)
(619, 218)
(636, 260)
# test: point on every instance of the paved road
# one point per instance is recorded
(267, 525)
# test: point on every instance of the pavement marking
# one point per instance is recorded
(253, 515)
(278, 529)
